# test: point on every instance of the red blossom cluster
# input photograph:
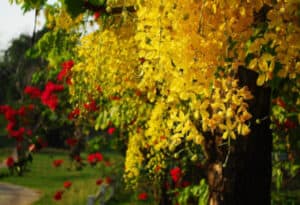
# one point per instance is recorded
(91, 106)
(143, 196)
(57, 162)
(47, 96)
(10, 162)
(111, 130)
(65, 71)
(107, 180)
(67, 184)
(74, 113)
(58, 195)
(176, 174)
(71, 142)
(97, 15)
(99, 181)
(33, 92)
(13, 116)
(94, 158)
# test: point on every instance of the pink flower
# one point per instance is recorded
(143, 196)
(111, 130)
(32, 148)
(176, 174)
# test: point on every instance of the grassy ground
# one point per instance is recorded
(48, 180)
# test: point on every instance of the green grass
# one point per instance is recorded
(44, 177)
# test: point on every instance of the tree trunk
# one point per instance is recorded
(246, 179)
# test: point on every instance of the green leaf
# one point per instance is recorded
(74, 8)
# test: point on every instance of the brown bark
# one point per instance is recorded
(246, 178)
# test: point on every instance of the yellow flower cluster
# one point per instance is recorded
(61, 19)
(182, 57)
(134, 158)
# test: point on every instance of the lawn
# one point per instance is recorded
(47, 179)
(44, 177)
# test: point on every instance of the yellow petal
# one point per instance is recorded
(261, 79)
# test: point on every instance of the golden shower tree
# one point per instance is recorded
(188, 84)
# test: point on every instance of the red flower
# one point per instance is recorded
(57, 196)
(10, 114)
(138, 93)
(33, 92)
(29, 132)
(108, 180)
(49, 100)
(31, 106)
(51, 87)
(289, 124)
(176, 174)
(142, 60)
(77, 158)
(91, 106)
(278, 101)
(111, 130)
(10, 126)
(157, 168)
(71, 142)
(99, 181)
(98, 156)
(67, 184)
(99, 88)
(115, 98)
(10, 162)
(74, 113)
(17, 134)
(3, 108)
(66, 68)
(68, 64)
(185, 184)
(96, 15)
(42, 142)
(108, 163)
(21, 111)
(57, 162)
(143, 196)
(94, 158)
(69, 80)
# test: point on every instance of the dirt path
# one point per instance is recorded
(17, 195)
